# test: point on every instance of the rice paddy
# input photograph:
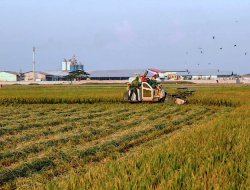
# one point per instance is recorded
(85, 137)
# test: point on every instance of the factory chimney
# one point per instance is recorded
(34, 74)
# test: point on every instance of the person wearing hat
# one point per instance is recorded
(134, 86)
(154, 84)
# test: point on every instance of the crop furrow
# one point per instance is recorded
(25, 169)
(24, 127)
(129, 135)
(41, 133)
(125, 141)
(10, 157)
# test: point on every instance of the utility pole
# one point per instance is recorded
(34, 74)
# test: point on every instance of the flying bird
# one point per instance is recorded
(246, 53)
(234, 45)
(209, 63)
(221, 47)
(186, 52)
(198, 63)
(199, 48)
(236, 21)
(213, 37)
(201, 51)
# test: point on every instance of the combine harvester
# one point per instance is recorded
(146, 93)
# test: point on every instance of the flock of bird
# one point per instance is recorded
(219, 48)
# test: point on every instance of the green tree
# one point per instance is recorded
(77, 75)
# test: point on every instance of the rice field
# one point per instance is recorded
(85, 137)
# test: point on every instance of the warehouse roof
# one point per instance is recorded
(174, 70)
(206, 72)
(10, 72)
(59, 73)
(98, 73)
(245, 76)
(39, 72)
(182, 73)
(225, 73)
(117, 73)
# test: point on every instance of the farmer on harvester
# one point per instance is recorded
(143, 77)
(154, 84)
(134, 86)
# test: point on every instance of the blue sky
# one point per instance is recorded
(123, 34)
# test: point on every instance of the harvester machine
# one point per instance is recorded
(148, 93)
(180, 97)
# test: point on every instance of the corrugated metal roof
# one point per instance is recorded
(226, 73)
(11, 72)
(59, 73)
(182, 74)
(131, 72)
(117, 73)
(206, 72)
(174, 70)
(39, 72)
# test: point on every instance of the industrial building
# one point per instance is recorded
(247, 76)
(72, 65)
(53, 75)
(6, 76)
(204, 74)
(172, 73)
(46, 75)
(122, 74)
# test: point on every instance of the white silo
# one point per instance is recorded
(64, 65)
(68, 64)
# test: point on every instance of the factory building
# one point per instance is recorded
(9, 76)
(204, 74)
(29, 76)
(122, 74)
(72, 65)
(54, 75)
(171, 73)
(247, 76)
(46, 75)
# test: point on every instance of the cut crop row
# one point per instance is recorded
(22, 127)
(9, 157)
(214, 102)
(29, 100)
(113, 144)
(71, 126)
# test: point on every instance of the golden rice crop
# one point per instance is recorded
(71, 137)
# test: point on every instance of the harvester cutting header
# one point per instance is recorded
(141, 88)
